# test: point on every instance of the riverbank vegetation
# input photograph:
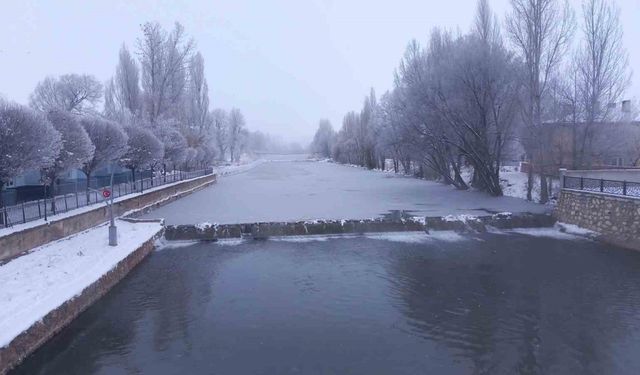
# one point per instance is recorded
(478, 99)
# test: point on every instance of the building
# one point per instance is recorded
(579, 145)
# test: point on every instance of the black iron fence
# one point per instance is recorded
(70, 196)
(626, 188)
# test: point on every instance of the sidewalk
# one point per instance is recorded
(37, 283)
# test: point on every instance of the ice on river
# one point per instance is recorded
(306, 190)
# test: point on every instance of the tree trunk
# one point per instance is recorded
(544, 193)
(164, 172)
(88, 174)
(53, 195)
(3, 213)
(133, 177)
(530, 182)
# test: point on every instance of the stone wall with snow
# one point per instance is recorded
(615, 218)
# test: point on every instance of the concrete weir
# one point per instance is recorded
(460, 223)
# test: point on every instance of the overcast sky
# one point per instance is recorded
(285, 63)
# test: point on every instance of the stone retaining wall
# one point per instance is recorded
(615, 218)
(27, 342)
(212, 232)
(14, 244)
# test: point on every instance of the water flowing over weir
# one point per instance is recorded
(208, 232)
(541, 302)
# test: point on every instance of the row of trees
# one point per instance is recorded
(467, 99)
(154, 113)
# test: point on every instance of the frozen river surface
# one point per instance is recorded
(378, 304)
(306, 190)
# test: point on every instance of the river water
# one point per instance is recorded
(378, 304)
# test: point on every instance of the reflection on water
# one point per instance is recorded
(493, 304)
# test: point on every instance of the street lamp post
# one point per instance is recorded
(113, 230)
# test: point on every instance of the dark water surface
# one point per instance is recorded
(494, 304)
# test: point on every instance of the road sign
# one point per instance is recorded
(106, 193)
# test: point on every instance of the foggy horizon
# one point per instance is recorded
(285, 65)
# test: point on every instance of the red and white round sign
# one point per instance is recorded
(106, 193)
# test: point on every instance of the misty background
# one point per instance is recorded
(285, 63)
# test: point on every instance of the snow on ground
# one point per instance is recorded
(228, 170)
(308, 190)
(514, 184)
(36, 283)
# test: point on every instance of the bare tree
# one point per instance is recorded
(366, 131)
(143, 150)
(198, 96)
(70, 92)
(122, 92)
(602, 72)
(220, 131)
(236, 133)
(541, 31)
(110, 143)
(475, 92)
(76, 150)
(163, 57)
(27, 141)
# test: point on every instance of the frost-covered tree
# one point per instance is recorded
(27, 141)
(475, 90)
(602, 74)
(366, 132)
(122, 92)
(190, 157)
(143, 150)
(76, 149)
(324, 139)
(109, 140)
(77, 93)
(163, 58)
(541, 31)
(220, 130)
(173, 141)
(236, 133)
(198, 96)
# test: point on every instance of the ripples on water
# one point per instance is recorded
(380, 304)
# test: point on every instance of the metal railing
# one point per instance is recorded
(76, 195)
(599, 185)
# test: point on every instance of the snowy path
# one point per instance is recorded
(306, 190)
(36, 283)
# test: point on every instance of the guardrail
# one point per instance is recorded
(599, 185)
(50, 206)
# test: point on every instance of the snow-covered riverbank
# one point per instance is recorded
(37, 283)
